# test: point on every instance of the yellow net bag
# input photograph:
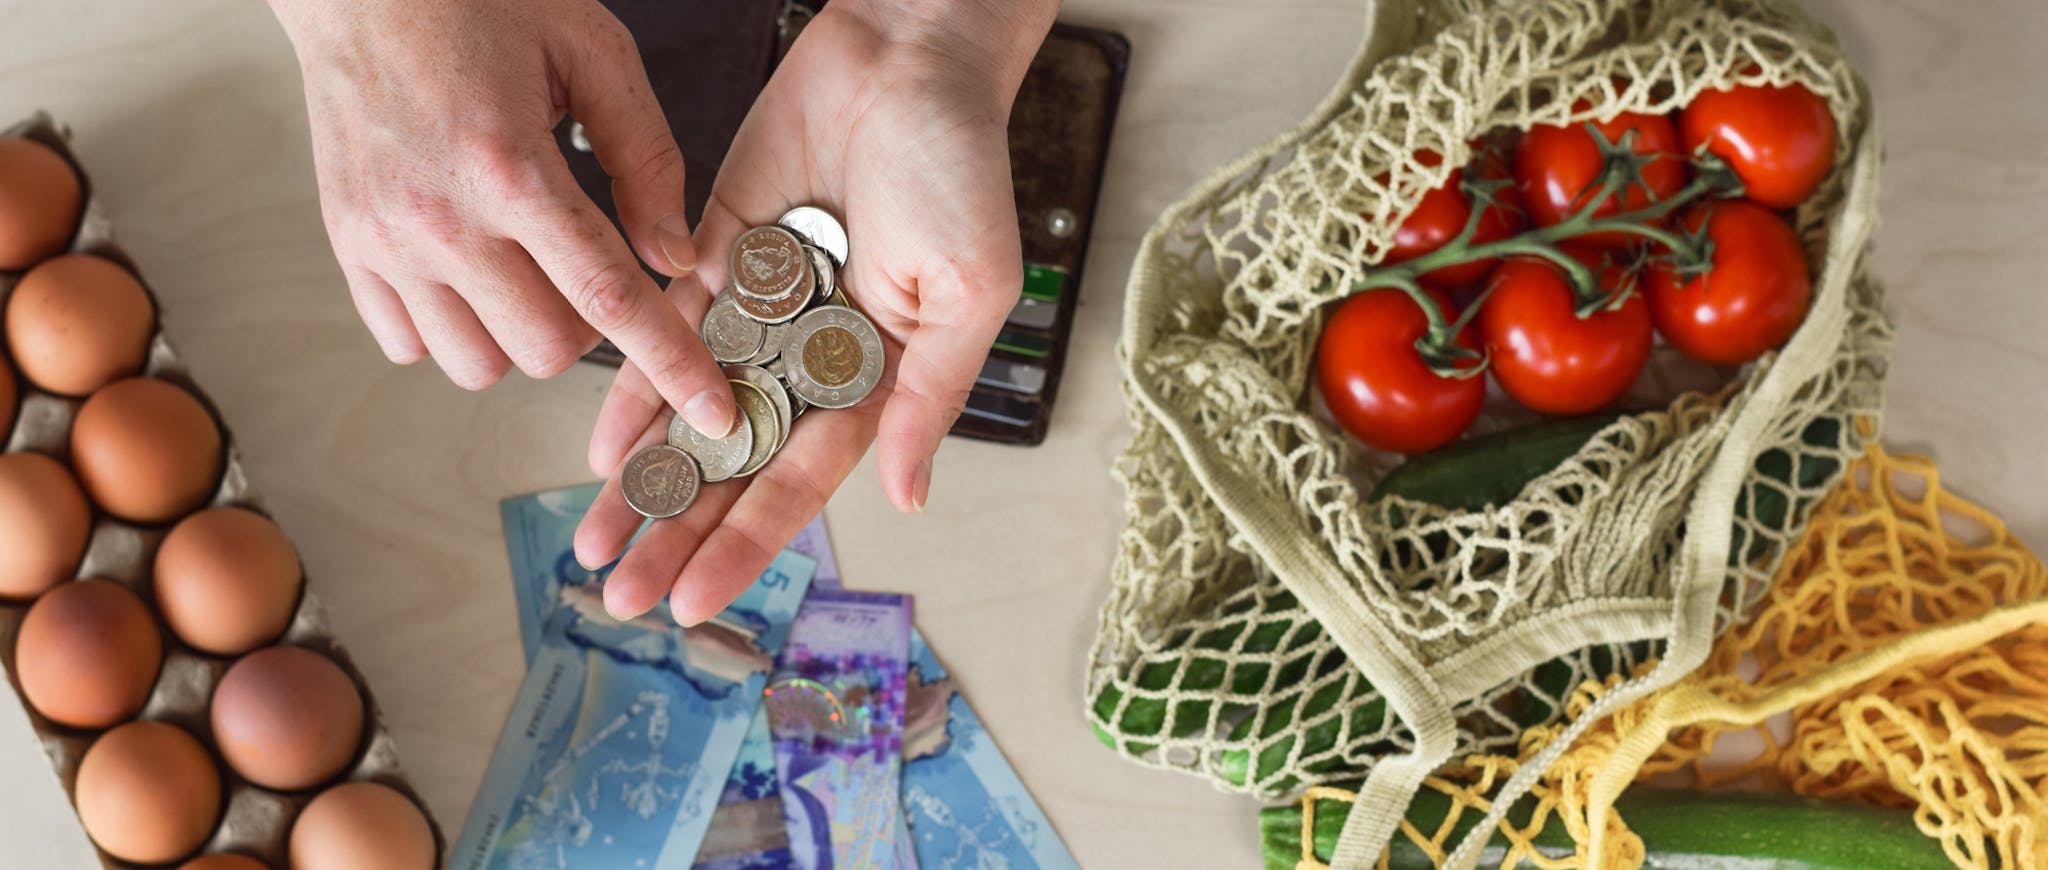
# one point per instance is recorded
(1269, 630)
(1907, 638)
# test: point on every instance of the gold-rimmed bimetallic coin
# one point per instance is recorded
(833, 358)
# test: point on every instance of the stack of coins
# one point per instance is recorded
(790, 340)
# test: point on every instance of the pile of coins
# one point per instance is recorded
(790, 340)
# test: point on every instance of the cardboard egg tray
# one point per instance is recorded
(254, 821)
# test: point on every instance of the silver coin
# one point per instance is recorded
(661, 481)
(768, 263)
(774, 335)
(782, 308)
(760, 412)
(834, 358)
(778, 397)
(719, 458)
(820, 227)
(731, 335)
(827, 275)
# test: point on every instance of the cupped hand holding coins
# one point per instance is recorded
(920, 174)
(790, 341)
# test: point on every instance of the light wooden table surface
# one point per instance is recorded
(189, 117)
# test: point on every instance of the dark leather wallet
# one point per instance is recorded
(709, 59)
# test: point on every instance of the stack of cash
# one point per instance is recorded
(790, 340)
(806, 726)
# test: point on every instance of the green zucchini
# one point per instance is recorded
(1490, 469)
(1681, 830)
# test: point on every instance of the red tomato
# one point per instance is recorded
(1543, 354)
(1442, 214)
(1779, 140)
(1751, 298)
(1377, 385)
(1558, 168)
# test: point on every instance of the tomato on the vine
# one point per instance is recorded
(1559, 169)
(1779, 140)
(1443, 213)
(1750, 299)
(1376, 383)
(1545, 355)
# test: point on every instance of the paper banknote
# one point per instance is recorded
(621, 740)
(836, 707)
(965, 806)
(540, 531)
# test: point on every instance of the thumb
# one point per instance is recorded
(938, 365)
(609, 94)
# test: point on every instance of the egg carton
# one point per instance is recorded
(255, 820)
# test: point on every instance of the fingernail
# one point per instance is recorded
(921, 486)
(710, 414)
(674, 235)
(619, 609)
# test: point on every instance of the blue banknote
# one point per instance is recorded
(622, 739)
(540, 531)
(963, 804)
(836, 709)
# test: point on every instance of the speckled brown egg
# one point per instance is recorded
(224, 861)
(87, 654)
(287, 718)
(77, 322)
(40, 199)
(146, 450)
(361, 826)
(227, 580)
(147, 792)
(44, 524)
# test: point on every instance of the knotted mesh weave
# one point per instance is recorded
(1269, 629)
(1906, 640)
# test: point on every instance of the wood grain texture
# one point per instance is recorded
(190, 118)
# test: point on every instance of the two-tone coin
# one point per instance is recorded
(769, 263)
(731, 335)
(833, 358)
(820, 228)
(778, 396)
(718, 458)
(661, 481)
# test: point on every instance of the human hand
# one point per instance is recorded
(454, 215)
(894, 117)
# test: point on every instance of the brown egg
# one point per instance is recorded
(44, 524)
(224, 861)
(227, 580)
(361, 826)
(77, 322)
(146, 450)
(147, 792)
(287, 718)
(87, 654)
(40, 200)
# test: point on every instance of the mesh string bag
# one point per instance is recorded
(1269, 629)
(1905, 644)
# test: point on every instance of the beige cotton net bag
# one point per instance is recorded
(1267, 628)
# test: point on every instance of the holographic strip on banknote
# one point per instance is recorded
(836, 708)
